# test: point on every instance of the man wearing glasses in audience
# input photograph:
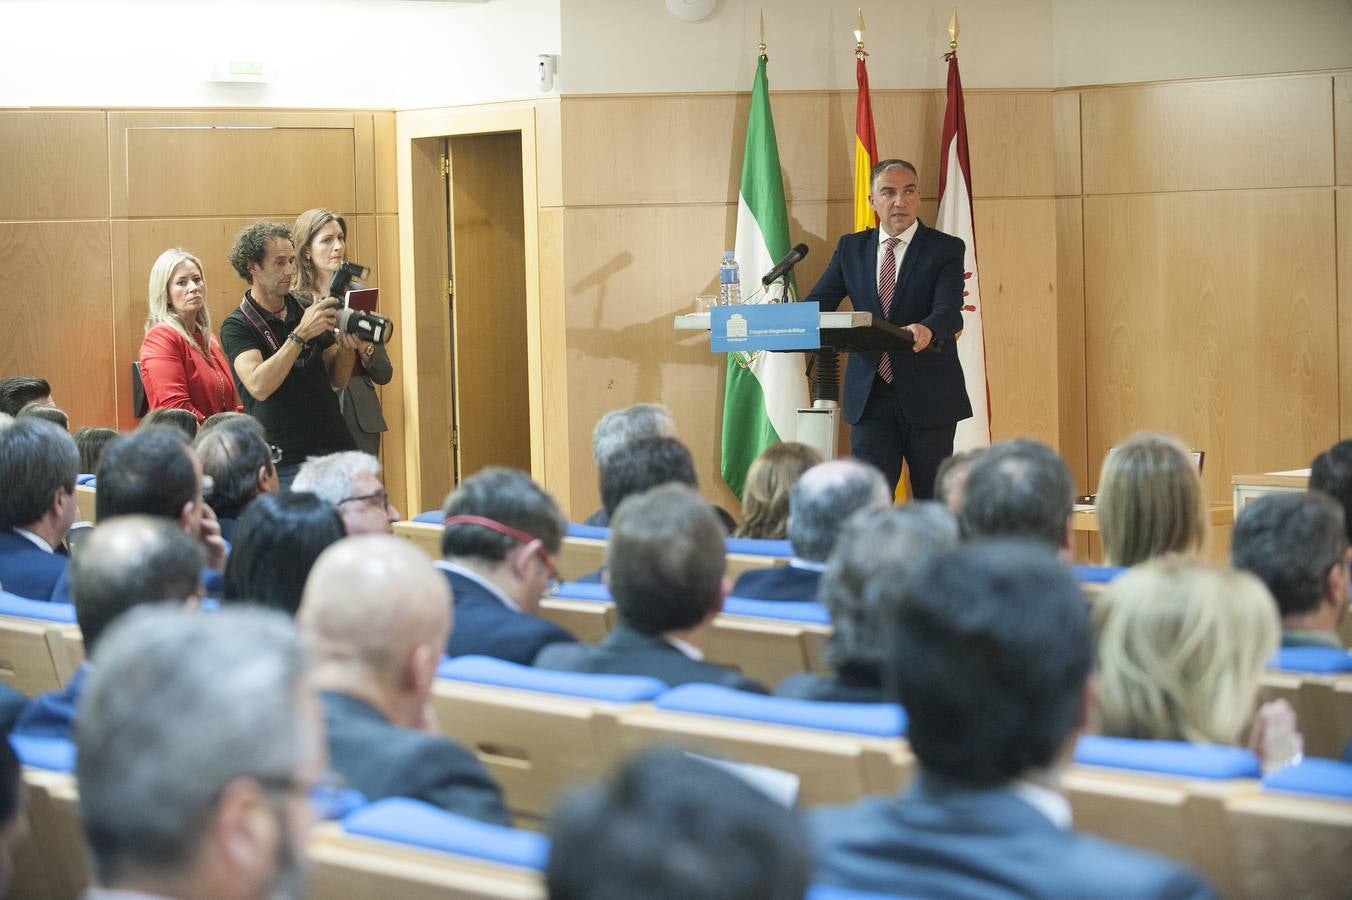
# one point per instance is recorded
(351, 482)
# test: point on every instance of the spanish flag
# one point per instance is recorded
(865, 149)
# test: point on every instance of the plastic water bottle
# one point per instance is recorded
(729, 281)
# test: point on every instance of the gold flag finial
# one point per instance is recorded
(859, 35)
(761, 49)
(953, 30)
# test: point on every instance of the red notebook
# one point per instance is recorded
(364, 300)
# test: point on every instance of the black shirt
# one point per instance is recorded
(301, 416)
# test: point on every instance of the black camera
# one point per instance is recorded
(368, 326)
(343, 277)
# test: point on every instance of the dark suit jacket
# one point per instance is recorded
(629, 652)
(53, 714)
(484, 626)
(361, 406)
(779, 583)
(940, 840)
(12, 704)
(929, 386)
(852, 684)
(31, 572)
(383, 760)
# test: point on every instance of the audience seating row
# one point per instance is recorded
(40, 646)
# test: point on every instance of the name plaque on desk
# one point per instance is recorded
(765, 326)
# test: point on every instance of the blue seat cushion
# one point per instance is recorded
(831, 892)
(591, 532)
(55, 754)
(1096, 574)
(419, 824)
(1167, 757)
(583, 590)
(46, 610)
(791, 610)
(501, 673)
(85, 478)
(1315, 660)
(870, 719)
(1326, 777)
(760, 547)
(430, 518)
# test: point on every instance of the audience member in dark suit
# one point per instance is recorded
(665, 565)
(12, 703)
(619, 428)
(503, 534)
(856, 648)
(669, 827)
(153, 472)
(1019, 489)
(198, 754)
(126, 562)
(819, 504)
(236, 457)
(19, 391)
(990, 653)
(38, 465)
(374, 620)
(1297, 545)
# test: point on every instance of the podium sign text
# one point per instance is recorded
(764, 326)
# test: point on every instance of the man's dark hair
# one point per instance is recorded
(1290, 541)
(36, 460)
(827, 495)
(508, 497)
(91, 442)
(146, 472)
(669, 827)
(1018, 489)
(1331, 472)
(665, 560)
(990, 647)
(251, 245)
(166, 417)
(231, 454)
(276, 542)
(642, 466)
(50, 413)
(127, 562)
(17, 391)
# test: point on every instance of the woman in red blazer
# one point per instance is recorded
(182, 364)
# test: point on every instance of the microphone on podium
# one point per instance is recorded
(791, 259)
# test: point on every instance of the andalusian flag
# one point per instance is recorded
(764, 390)
(955, 218)
(865, 150)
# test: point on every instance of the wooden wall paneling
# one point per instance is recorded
(386, 180)
(549, 152)
(1072, 438)
(1066, 141)
(1010, 138)
(554, 362)
(362, 244)
(56, 164)
(1343, 199)
(1242, 133)
(60, 319)
(363, 163)
(129, 312)
(1213, 316)
(909, 125)
(1342, 119)
(392, 452)
(1017, 258)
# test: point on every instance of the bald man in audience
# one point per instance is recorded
(820, 503)
(374, 620)
(665, 565)
(1020, 489)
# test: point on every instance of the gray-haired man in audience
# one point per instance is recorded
(1019, 489)
(199, 746)
(350, 480)
(821, 501)
(619, 428)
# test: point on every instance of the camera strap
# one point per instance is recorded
(254, 315)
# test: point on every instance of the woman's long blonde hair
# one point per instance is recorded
(307, 224)
(1181, 651)
(1150, 501)
(769, 481)
(160, 312)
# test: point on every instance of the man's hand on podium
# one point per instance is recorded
(922, 336)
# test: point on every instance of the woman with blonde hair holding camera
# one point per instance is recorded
(321, 247)
(1180, 654)
(1150, 501)
(182, 364)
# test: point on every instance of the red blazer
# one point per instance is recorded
(178, 377)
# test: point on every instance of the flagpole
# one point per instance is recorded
(953, 32)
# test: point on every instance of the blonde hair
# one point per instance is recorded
(1150, 501)
(1181, 652)
(769, 481)
(160, 312)
(303, 232)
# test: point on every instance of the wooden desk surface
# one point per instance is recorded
(1295, 479)
(1085, 518)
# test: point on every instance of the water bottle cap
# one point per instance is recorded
(728, 254)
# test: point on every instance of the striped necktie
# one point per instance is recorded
(887, 283)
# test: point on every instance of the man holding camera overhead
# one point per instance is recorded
(287, 359)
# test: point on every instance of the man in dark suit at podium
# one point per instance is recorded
(907, 404)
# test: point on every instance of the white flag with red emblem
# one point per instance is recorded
(955, 218)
